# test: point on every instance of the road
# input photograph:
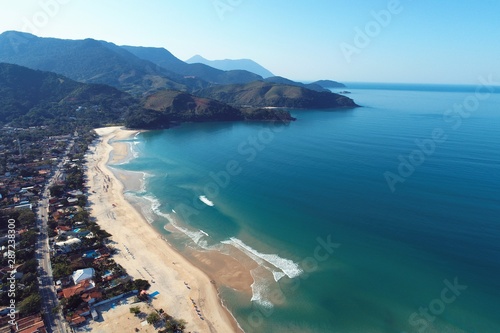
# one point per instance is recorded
(54, 322)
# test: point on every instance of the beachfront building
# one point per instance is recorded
(83, 274)
(68, 245)
(78, 289)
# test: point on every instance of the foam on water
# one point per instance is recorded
(260, 288)
(195, 236)
(205, 200)
(278, 275)
(133, 149)
(145, 177)
(287, 266)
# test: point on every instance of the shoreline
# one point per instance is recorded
(141, 250)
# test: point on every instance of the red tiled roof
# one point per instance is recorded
(76, 319)
(31, 324)
(88, 296)
(63, 228)
(76, 289)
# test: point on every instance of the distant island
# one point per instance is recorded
(329, 84)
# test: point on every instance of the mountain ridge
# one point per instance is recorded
(164, 58)
(91, 61)
(232, 64)
(32, 98)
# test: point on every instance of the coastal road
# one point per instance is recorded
(54, 321)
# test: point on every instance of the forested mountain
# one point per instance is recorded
(282, 80)
(91, 61)
(265, 94)
(101, 83)
(31, 98)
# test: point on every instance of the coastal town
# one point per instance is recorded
(57, 266)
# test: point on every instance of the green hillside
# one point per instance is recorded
(265, 94)
(32, 98)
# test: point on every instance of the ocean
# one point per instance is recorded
(381, 218)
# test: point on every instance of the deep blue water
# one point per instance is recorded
(280, 191)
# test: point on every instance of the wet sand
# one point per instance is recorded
(145, 254)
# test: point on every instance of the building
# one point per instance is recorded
(78, 289)
(83, 274)
(68, 245)
(31, 324)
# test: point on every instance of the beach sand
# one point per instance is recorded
(145, 254)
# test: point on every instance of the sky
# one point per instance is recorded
(408, 41)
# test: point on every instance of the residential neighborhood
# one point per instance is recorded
(43, 193)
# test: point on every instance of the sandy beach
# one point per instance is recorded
(143, 252)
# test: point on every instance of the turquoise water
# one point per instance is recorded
(344, 241)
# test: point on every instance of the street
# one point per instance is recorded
(54, 322)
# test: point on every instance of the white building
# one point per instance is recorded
(83, 274)
(68, 245)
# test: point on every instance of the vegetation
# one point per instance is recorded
(61, 267)
(29, 98)
(153, 318)
(35, 98)
(173, 325)
(135, 310)
(282, 80)
(27, 286)
(73, 303)
(168, 106)
(140, 284)
(91, 61)
(263, 94)
(31, 304)
(56, 190)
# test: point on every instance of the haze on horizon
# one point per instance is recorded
(368, 41)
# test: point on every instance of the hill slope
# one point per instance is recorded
(168, 105)
(90, 61)
(29, 98)
(33, 98)
(232, 64)
(265, 94)
(282, 80)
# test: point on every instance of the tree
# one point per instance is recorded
(26, 218)
(30, 304)
(153, 318)
(60, 270)
(28, 238)
(74, 301)
(56, 190)
(181, 324)
(140, 284)
(82, 200)
(55, 310)
(28, 278)
(135, 310)
(29, 266)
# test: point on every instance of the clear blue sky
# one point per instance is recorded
(446, 41)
